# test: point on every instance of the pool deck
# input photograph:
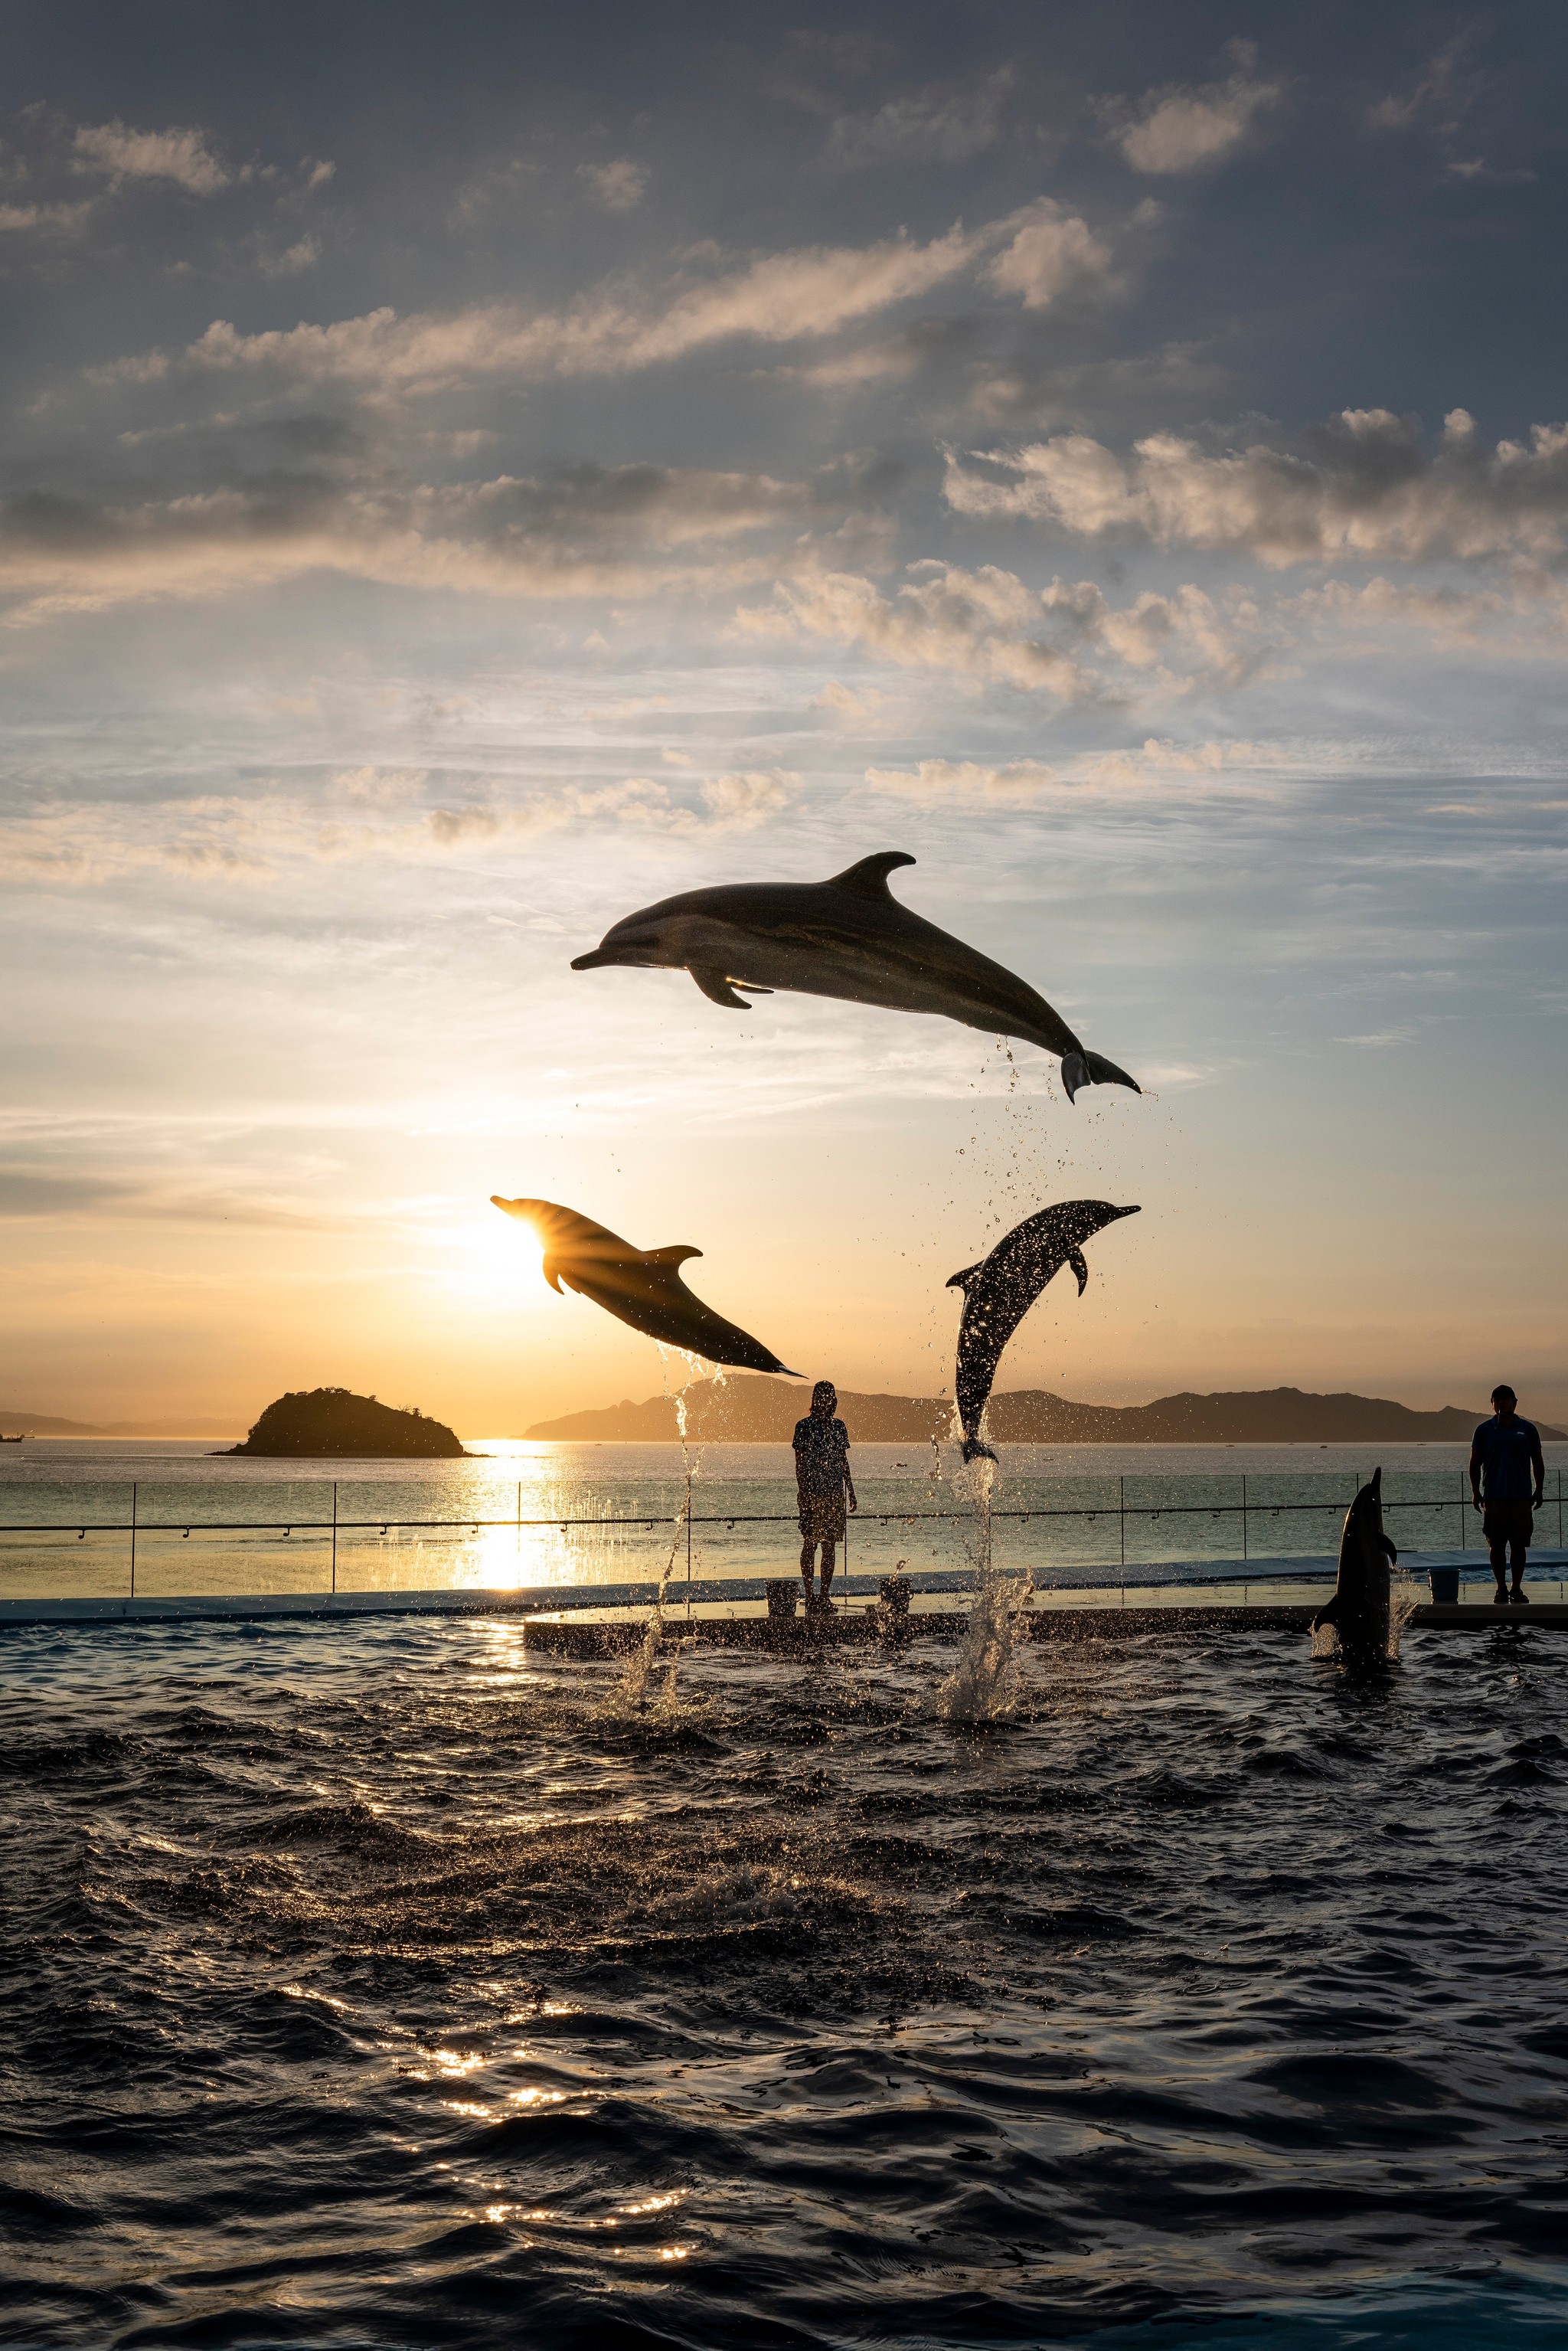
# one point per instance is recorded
(1179, 1597)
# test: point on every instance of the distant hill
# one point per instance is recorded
(326, 1423)
(763, 1411)
(14, 1420)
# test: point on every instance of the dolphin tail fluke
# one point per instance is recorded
(1085, 1069)
(975, 1451)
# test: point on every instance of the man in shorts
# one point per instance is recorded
(1506, 1451)
(822, 1481)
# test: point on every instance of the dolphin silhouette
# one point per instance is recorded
(642, 1287)
(847, 937)
(1001, 1289)
(1359, 1609)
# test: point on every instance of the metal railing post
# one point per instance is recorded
(1121, 1520)
(334, 1534)
(134, 1538)
(1244, 1525)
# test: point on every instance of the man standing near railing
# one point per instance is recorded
(1506, 1451)
(822, 1481)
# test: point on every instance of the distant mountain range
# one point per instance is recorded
(14, 1420)
(764, 1411)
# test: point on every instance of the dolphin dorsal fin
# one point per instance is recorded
(868, 878)
(962, 1280)
(672, 1254)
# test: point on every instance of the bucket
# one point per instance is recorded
(781, 1599)
(1445, 1586)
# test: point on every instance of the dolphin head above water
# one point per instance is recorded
(847, 937)
(1359, 1610)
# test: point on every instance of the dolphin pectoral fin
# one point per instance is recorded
(715, 988)
(673, 1253)
(1080, 1265)
(1074, 1073)
(962, 1280)
(1327, 1615)
(552, 1272)
(868, 878)
(1388, 1547)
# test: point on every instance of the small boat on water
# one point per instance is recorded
(19, 1439)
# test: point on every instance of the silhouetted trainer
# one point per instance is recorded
(1508, 1465)
(822, 1482)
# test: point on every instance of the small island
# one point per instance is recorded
(334, 1423)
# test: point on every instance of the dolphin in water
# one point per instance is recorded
(1359, 1609)
(1001, 1289)
(847, 937)
(642, 1287)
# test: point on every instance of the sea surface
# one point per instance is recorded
(521, 1514)
(396, 1983)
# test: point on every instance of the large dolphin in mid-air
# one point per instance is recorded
(1359, 1609)
(642, 1287)
(847, 937)
(1001, 1289)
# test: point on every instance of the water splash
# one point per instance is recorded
(629, 1695)
(1403, 1599)
(986, 1682)
(631, 1691)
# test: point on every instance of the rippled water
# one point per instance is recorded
(390, 1984)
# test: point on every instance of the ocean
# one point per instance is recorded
(403, 1983)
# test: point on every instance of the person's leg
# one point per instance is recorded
(1496, 1533)
(1523, 1528)
(807, 1555)
(829, 1553)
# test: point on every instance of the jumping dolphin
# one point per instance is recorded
(1359, 1609)
(642, 1287)
(847, 937)
(1001, 1289)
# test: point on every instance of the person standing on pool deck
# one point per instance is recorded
(1506, 1451)
(822, 1481)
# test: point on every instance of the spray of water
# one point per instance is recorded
(631, 1692)
(986, 1682)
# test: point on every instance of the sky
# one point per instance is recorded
(471, 473)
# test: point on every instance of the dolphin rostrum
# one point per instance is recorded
(1001, 1289)
(642, 1287)
(1359, 1609)
(847, 937)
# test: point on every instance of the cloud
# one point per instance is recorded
(303, 256)
(736, 803)
(779, 298)
(1143, 772)
(181, 156)
(16, 217)
(1067, 640)
(599, 531)
(619, 186)
(938, 126)
(1364, 487)
(1053, 251)
(1190, 128)
(1434, 98)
